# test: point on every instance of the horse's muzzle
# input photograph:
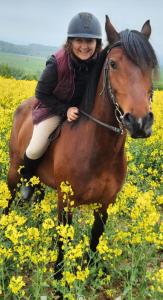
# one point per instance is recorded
(138, 127)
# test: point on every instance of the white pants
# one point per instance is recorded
(39, 141)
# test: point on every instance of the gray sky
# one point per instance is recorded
(45, 21)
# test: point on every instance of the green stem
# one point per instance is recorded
(3, 284)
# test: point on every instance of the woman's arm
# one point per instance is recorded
(45, 87)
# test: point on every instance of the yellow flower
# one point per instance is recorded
(12, 218)
(4, 194)
(34, 180)
(48, 224)
(66, 188)
(13, 234)
(82, 274)
(160, 199)
(16, 283)
(65, 231)
(74, 251)
(157, 279)
(69, 277)
(102, 246)
(33, 233)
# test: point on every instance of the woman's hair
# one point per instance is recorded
(67, 45)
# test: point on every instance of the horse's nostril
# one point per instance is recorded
(150, 115)
(127, 118)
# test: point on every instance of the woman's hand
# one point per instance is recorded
(72, 113)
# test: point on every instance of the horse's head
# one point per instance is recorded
(130, 64)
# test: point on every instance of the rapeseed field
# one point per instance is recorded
(128, 261)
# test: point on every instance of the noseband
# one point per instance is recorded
(109, 95)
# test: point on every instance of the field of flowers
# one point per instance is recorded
(128, 262)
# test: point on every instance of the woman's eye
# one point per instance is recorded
(113, 64)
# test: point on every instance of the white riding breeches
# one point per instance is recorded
(39, 141)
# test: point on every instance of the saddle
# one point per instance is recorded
(56, 133)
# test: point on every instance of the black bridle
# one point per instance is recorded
(109, 95)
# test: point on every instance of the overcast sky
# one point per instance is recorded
(45, 21)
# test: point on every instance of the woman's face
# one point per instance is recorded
(83, 48)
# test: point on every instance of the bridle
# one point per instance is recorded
(107, 89)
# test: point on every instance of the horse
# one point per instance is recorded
(90, 152)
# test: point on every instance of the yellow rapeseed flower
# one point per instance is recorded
(33, 233)
(48, 224)
(16, 283)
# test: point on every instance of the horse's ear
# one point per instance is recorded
(112, 34)
(146, 29)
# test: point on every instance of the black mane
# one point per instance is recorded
(137, 48)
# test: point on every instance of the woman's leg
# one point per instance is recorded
(39, 141)
(36, 148)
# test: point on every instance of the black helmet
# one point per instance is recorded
(84, 25)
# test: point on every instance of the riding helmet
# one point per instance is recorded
(84, 25)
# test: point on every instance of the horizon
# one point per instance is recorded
(24, 44)
(159, 57)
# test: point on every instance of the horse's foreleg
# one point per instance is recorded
(98, 228)
(63, 218)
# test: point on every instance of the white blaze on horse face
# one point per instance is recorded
(83, 48)
(140, 122)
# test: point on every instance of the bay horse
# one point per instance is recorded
(89, 153)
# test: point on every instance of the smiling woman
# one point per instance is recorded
(83, 48)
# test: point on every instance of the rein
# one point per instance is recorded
(115, 129)
(109, 95)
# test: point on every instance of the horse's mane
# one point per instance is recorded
(137, 48)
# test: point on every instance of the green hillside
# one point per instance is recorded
(158, 84)
(28, 64)
(23, 61)
(32, 49)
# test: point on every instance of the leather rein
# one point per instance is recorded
(109, 95)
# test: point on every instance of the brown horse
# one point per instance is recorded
(89, 153)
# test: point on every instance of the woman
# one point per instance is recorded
(61, 87)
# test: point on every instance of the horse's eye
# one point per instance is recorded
(113, 64)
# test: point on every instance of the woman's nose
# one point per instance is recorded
(84, 44)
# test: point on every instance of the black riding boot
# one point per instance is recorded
(28, 172)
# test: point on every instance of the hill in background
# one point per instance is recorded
(23, 61)
(28, 61)
(31, 50)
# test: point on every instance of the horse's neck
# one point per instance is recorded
(103, 108)
(104, 111)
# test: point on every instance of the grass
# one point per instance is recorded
(29, 64)
(33, 65)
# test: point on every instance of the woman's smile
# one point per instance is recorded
(83, 48)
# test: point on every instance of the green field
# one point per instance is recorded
(29, 64)
(34, 65)
(159, 83)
